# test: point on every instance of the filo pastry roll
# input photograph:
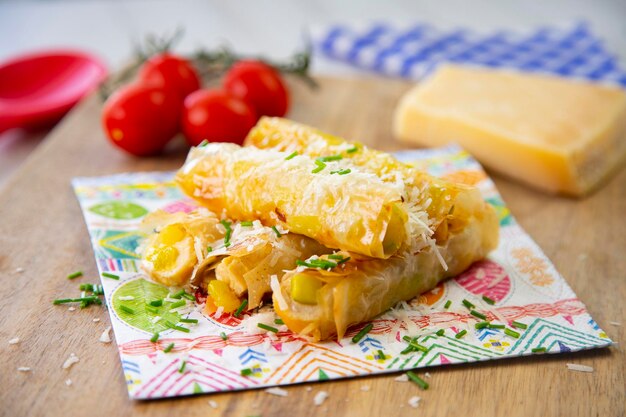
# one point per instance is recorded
(339, 206)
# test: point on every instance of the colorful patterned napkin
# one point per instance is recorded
(416, 50)
(518, 277)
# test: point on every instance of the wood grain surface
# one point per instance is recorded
(42, 231)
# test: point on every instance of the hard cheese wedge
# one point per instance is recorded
(555, 134)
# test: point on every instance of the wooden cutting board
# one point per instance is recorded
(42, 231)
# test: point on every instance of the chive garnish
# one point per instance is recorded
(153, 310)
(365, 330)
(203, 143)
(419, 381)
(460, 334)
(519, 325)
(343, 261)
(352, 150)
(246, 224)
(335, 256)
(407, 350)
(194, 321)
(177, 304)
(156, 303)
(189, 297)
(413, 343)
(440, 332)
(488, 300)
(381, 354)
(182, 367)
(447, 304)
(209, 249)
(291, 156)
(108, 275)
(279, 321)
(329, 158)
(229, 231)
(478, 314)
(511, 333)
(538, 349)
(266, 327)
(154, 337)
(317, 263)
(86, 287)
(88, 299)
(176, 327)
(169, 348)
(178, 294)
(276, 231)
(320, 166)
(246, 372)
(341, 171)
(468, 304)
(126, 309)
(243, 305)
(223, 336)
(496, 326)
(481, 324)
(75, 275)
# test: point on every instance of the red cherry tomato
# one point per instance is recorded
(217, 116)
(171, 71)
(141, 118)
(259, 84)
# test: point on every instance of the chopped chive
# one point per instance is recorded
(279, 321)
(413, 343)
(86, 287)
(440, 332)
(182, 367)
(229, 231)
(276, 231)
(335, 256)
(156, 303)
(496, 326)
(487, 299)
(108, 275)
(243, 305)
(169, 348)
(352, 150)
(320, 166)
(72, 300)
(481, 324)
(519, 325)
(407, 350)
(223, 336)
(343, 261)
(203, 143)
(178, 294)
(447, 304)
(268, 328)
(246, 224)
(291, 156)
(365, 330)
(153, 310)
(180, 328)
(317, 263)
(329, 158)
(209, 249)
(75, 275)
(189, 297)
(381, 355)
(189, 321)
(344, 171)
(419, 381)
(511, 333)
(177, 304)
(468, 304)
(538, 349)
(460, 334)
(126, 309)
(155, 337)
(478, 314)
(246, 372)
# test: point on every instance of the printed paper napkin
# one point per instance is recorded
(521, 281)
(415, 50)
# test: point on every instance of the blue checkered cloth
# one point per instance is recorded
(413, 52)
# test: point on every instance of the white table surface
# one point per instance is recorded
(271, 28)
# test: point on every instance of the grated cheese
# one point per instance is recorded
(68, 382)
(615, 323)
(365, 388)
(579, 368)
(105, 337)
(402, 378)
(70, 361)
(320, 397)
(71, 309)
(14, 341)
(24, 369)
(19, 270)
(414, 401)
(277, 391)
(95, 320)
(213, 404)
(126, 298)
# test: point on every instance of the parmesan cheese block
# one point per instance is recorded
(557, 135)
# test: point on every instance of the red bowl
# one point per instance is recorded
(38, 89)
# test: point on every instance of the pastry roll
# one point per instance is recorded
(338, 205)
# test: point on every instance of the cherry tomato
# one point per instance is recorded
(259, 84)
(171, 71)
(217, 116)
(141, 118)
